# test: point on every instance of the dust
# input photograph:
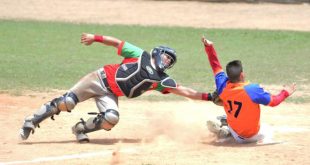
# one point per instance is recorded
(175, 126)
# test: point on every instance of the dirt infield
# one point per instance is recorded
(161, 133)
(164, 13)
(153, 133)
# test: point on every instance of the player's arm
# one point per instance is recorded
(219, 75)
(88, 39)
(260, 96)
(181, 91)
(285, 92)
(190, 93)
(124, 49)
(212, 56)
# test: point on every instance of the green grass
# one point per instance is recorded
(48, 55)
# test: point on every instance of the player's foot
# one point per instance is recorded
(223, 133)
(223, 120)
(77, 130)
(27, 128)
(213, 127)
(220, 132)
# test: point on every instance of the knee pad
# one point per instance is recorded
(66, 102)
(104, 120)
(111, 118)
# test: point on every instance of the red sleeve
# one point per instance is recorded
(212, 56)
(166, 91)
(120, 47)
(276, 100)
(161, 89)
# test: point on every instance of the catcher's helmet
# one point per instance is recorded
(157, 54)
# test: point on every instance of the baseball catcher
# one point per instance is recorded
(138, 72)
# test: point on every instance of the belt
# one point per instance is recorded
(104, 80)
(241, 137)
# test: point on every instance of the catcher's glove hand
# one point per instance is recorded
(216, 99)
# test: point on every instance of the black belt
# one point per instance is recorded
(241, 137)
(104, 80)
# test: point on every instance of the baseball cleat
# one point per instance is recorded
(27, 128)
(24, 133)
(219, 131)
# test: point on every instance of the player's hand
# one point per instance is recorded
(205, 41)
(290, 88)
(87, 39)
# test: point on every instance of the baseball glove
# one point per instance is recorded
(216, 99)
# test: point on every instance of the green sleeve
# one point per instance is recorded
(159, 87)
(131, 51)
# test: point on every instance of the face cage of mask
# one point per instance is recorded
(171, 63)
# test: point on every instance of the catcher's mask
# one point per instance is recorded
(164, 57)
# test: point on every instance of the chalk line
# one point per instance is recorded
(67, 157)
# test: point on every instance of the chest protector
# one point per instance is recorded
(135, 78)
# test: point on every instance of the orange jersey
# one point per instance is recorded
(241, 103)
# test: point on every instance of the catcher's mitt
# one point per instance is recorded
(216, 99)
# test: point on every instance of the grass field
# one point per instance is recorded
(48, 55)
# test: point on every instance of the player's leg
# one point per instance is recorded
(64, 103)
(264, 135)
(67, 102)
(242, 140)
(106, 119)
